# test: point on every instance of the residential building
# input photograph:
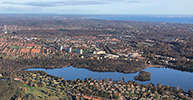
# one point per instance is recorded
(68, 49)
(60, 47)
(79, 51)
(99, 52)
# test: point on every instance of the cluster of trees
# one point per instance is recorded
(190, 92)
(143, 76)
(16, 65)
(110, 65)
(171, 49)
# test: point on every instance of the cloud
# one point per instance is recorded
(42, 10)
(74, 2)
(135, 1)
(50, 4)
(12, 9)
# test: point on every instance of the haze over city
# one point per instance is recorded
(153, 7)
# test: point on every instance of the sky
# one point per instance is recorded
(142, 7)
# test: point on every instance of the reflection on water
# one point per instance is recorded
(2, 79)
(165, 76)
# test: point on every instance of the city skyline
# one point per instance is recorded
(144, 7)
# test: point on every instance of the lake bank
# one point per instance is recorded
(165, 76)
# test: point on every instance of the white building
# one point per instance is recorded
(79, 51)
(111, 56)
(99, 52)
(134, 55)
(60, 47)
(68, 49)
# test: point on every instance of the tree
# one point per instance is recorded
(43, 84)
(70, 97)
(35, 85)
(155, 92)
(190, 92)
(118, 97)
(58, 89)
(48, 92)
(31, 84)
(178, 88)
(159, 86)
(130, 82)
(123, 79)
(171, 89)
(18, 98)
(135, 83)
(51, 94)
(62, 78)
(144, 94)
(26, 82)
(142, 85)
(106, 79)
(154, 88)
(24, 89)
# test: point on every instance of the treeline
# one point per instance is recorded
(59, 33)
(9, 66)
(182, 65)
(107, 65)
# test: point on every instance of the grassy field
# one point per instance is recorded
(149, 44)
(40, 92)
(15, 47)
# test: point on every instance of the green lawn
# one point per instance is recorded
(35, 90)
(149, 44)
(15, 47)
(40, 92)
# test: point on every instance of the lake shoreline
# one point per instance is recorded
(165, 76)
(149, 65)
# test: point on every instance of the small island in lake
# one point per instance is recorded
(143, 76)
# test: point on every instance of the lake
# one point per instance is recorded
(2, 79)
(188, 20)
(165, 76)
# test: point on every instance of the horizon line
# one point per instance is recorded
(93, 14)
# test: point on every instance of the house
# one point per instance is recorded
(86, 97)
(35, 51)
(99, 52)
(24, 50)
(141, 57)
(1, 75)
(112, 56)
(94, 98)
(18, 79)
(98, 98)
(91, 83)
(77, 97)
(136, 59)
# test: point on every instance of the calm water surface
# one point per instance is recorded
(148, 19)
(165, 76)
